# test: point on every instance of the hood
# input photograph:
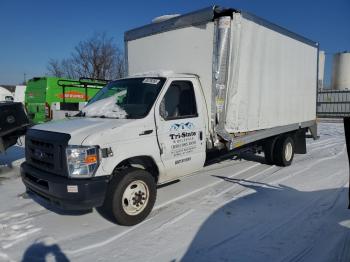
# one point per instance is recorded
(81, 128)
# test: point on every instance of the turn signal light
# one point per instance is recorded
(91, 159)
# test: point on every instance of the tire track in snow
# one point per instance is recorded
(324, 147)
(269, 175)
(174, 220)
(15, 228)
(310, 166)
(266, 176)
(246, 178)
(177, 218)
(107, 241)
(323, 141)
(203, 188)
(302, 211)
(245, 191)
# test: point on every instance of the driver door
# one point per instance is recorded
(180, 129)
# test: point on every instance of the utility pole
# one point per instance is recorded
(25, 78)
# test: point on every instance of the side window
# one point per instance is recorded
(9, 98)
(179, 101)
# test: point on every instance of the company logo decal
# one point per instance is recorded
(10, 119)
(183, 141)
(182, 126)
(73, 94)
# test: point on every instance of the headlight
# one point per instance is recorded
(82, 161)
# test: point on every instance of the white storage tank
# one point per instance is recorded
(341, 71)
(321, 63)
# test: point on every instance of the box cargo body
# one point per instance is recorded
(270, 73)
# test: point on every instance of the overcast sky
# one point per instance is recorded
(32, 32)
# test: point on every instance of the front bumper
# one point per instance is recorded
(66, 193)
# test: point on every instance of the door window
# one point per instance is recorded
(179, 101)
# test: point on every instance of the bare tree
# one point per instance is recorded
(97, 57)
(55, 68)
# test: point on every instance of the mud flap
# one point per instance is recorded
(347, 138)
(299, 138)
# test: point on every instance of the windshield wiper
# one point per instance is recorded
(129, 116)
(103, 116)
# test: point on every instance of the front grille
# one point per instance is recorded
(46, 151)
(37, 181)
(42, 163)
(42, 144)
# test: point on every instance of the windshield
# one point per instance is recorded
(126, 98)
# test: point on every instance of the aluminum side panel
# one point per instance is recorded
(272, 80)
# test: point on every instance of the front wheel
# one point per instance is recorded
(131, 196)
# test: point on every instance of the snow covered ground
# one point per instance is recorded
(232, 211)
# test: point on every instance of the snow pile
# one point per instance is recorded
(163, 18)
(104, 108)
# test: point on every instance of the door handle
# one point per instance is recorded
(200, 135)
(146, 132)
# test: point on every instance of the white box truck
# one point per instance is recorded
(215, 79)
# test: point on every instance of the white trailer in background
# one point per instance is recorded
(5, 95)
(198, 83)
(20, 93)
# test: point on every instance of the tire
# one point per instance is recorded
(130, 197)
(268, 148)
(284, 151)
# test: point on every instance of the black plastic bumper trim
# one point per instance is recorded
(90, 192)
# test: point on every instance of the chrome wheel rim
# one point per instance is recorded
(288, 152)
(135, 198)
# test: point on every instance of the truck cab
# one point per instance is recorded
(135, 133)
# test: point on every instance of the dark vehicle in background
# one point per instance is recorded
(13, 124)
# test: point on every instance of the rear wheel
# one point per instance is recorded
(268, 148)
(284, 151)
(130, 197)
